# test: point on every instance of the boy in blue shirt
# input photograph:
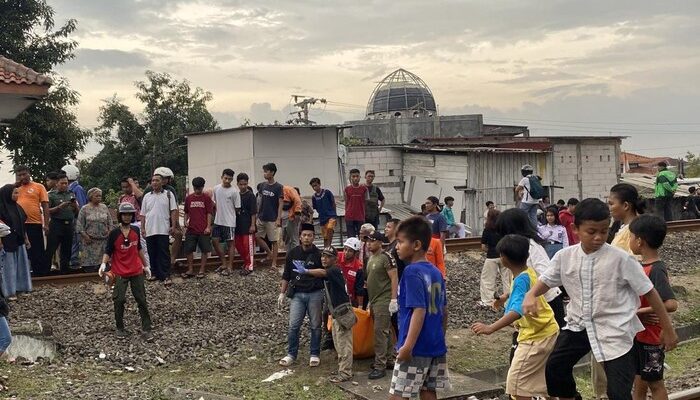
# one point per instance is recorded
(421, 363)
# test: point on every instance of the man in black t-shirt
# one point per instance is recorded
(305, 294)
(244, 237)
(338, 295)
(269, 221)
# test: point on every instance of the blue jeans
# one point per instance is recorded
(531, 210)
(5, 336)
(305, 304)
(552, 249)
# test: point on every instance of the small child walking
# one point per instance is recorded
(537, 334)
(421, 362)
(647, 233)
(604, 284)
(124, 252)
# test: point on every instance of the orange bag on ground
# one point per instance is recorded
(362, 334)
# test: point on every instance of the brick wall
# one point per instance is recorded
(387, 165)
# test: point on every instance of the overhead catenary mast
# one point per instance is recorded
(303, 103)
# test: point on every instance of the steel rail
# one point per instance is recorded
(452, 245)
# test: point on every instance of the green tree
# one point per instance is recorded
(692, 167)
(135, 145)
(47, 134)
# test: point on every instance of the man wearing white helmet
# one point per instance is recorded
(529, 191)
(167, 184)
(74, 186)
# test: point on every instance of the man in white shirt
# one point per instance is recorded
(159, 214)
(527, 203)
(228, 204)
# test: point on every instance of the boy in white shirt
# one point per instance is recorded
(604, 284)
(228, 204)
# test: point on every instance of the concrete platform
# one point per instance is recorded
(462, 387)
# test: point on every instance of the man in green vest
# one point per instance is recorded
(666, 185)
(375, 201)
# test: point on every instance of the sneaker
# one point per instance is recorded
(314, 361)
(482, 304)
(287, 361)
(122, 334)
(337, 378)
(376, 374)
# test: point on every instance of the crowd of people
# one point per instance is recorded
(576, 277)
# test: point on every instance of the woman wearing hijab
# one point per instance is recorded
(15, 262)
(94, 224)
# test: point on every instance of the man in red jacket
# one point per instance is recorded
(124, 251)
(566, 218)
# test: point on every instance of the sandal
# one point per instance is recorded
(286, 361)
(200, 275)
(225, 272)
(245, 272)
(167, 282)
(314, 361)
(187, 275)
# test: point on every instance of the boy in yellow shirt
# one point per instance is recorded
(537, 334)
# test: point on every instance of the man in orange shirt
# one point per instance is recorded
(435, 256)
(291, 212)
(34, 200)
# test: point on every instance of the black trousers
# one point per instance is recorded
(119, 296)
(37, 253)
(664, 208)
(569, 349)
(60, 234)
(159, 255)
(559, 311)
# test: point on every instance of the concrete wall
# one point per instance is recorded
(208, 155)
(491, 175)
(405, 129)
(387, 164)
(585, 167)
(299, 153)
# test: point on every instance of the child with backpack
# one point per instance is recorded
(529, 191)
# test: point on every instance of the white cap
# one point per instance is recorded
(165, 172)
(353, 243)
(72, 172)
(526, 167)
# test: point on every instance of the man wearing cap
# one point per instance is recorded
(528, 203)
(664, 189)
(382, 288)
(306, 296)
(337, 296)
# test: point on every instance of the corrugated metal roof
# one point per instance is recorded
(262, 127)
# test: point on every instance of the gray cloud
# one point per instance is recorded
(96, 59)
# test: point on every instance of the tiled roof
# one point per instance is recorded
(16, 73)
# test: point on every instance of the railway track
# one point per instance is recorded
(688, 394)
(453, 246)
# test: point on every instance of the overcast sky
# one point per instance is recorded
(560, 67)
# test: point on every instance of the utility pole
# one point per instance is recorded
(302, 114)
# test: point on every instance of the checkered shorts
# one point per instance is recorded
(420, 373)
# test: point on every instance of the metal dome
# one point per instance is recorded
(401, 94)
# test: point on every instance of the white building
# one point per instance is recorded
(300, 153)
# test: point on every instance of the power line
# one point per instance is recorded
(599, 122)
(603, 129)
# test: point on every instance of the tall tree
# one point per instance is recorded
(135, 145)
(692, 167)
(47, 134)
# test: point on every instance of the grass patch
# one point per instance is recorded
(468, 353)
